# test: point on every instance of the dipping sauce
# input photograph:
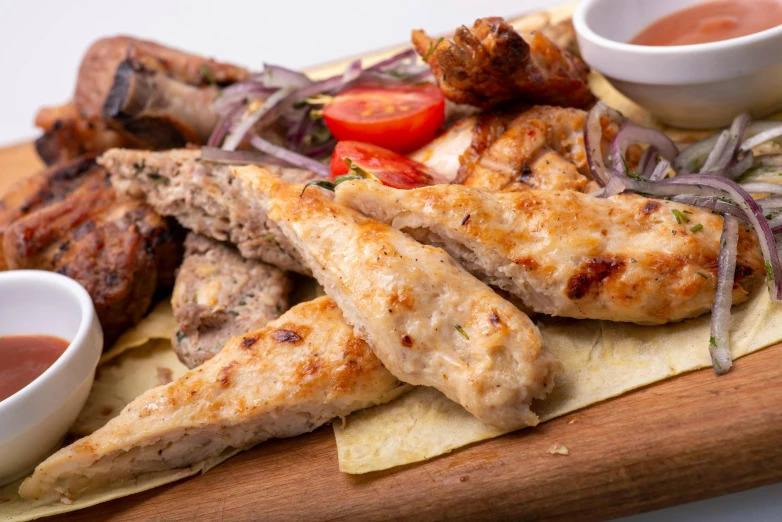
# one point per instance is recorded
(24, 357)
(712, 22)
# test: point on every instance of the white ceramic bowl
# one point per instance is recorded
(691, 86)
(34, 420)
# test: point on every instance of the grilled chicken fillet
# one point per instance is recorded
(564, 253)
(205, 198)
(428, 320)
(288, 378)
(219, 294)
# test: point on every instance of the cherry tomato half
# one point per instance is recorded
(388, 167)
(401, 118)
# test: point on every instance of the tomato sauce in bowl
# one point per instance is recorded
(712, 21)
(23, 358)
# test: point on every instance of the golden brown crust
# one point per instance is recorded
(491, 64)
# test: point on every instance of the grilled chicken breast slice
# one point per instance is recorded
(428, 320)
(218, 294)
(204, 197)
(565, 253)
(288, 378)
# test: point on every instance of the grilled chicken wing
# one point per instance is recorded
(205, 198)
(428, 320)
(68, 219)
(491, 64)
(288, 378)
(564, 253)
(219, 294)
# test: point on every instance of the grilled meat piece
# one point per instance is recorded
(624, 258)
(158, 111)
(288, 378)
(491, 64)
(70, 135)
(68, 219)
(428, 320)
(78, 127)
(205, 198)
(218, 294)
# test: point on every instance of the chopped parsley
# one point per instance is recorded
(206, 73)
(233, 313)
(712, 342)
(157, 178)
(680, 218)
(180, 336)
(461, 331)
(632, 260)
(432, 47)
(769, 271)
(697, 228)
(702, 275)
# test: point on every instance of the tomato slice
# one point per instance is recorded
(386, 166)
(401, 118)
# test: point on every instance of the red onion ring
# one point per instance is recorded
(719, 342)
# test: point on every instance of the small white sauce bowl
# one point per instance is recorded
(691, 86)
(34, 420)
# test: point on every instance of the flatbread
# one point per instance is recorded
(158, 324)
(123, 379)
(601, 359)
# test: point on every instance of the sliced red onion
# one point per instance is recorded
(235, 157)
(615, 185)
(709, 203)
(649, 159)
(727, 145)
(240, 94)
(755, 216)
(769, 203)
(279, 77)
(762, 137)
(593, 142)
(762, 188)
(692, 158)
(393, 62)
(737, 168)
(775, 223)
(632, 134)
(660, 171)
(245, 125)
(719, 342)
(224, 126)
(288, 156)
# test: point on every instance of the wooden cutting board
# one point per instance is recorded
(689, 438)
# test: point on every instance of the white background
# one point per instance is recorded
(42, 41)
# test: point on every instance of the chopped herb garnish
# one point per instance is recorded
(686, 211)
(180, 336)
(242, 303)
(328, 185)
(632, 260)
(769, 271)
(233, 313)
(432, 47)
(712, 342)
(697, 228)
(680, 218)
(461, 331)
(139, 166)
(355, 169)
(466, 219)
(624, 164)
(702, 275)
